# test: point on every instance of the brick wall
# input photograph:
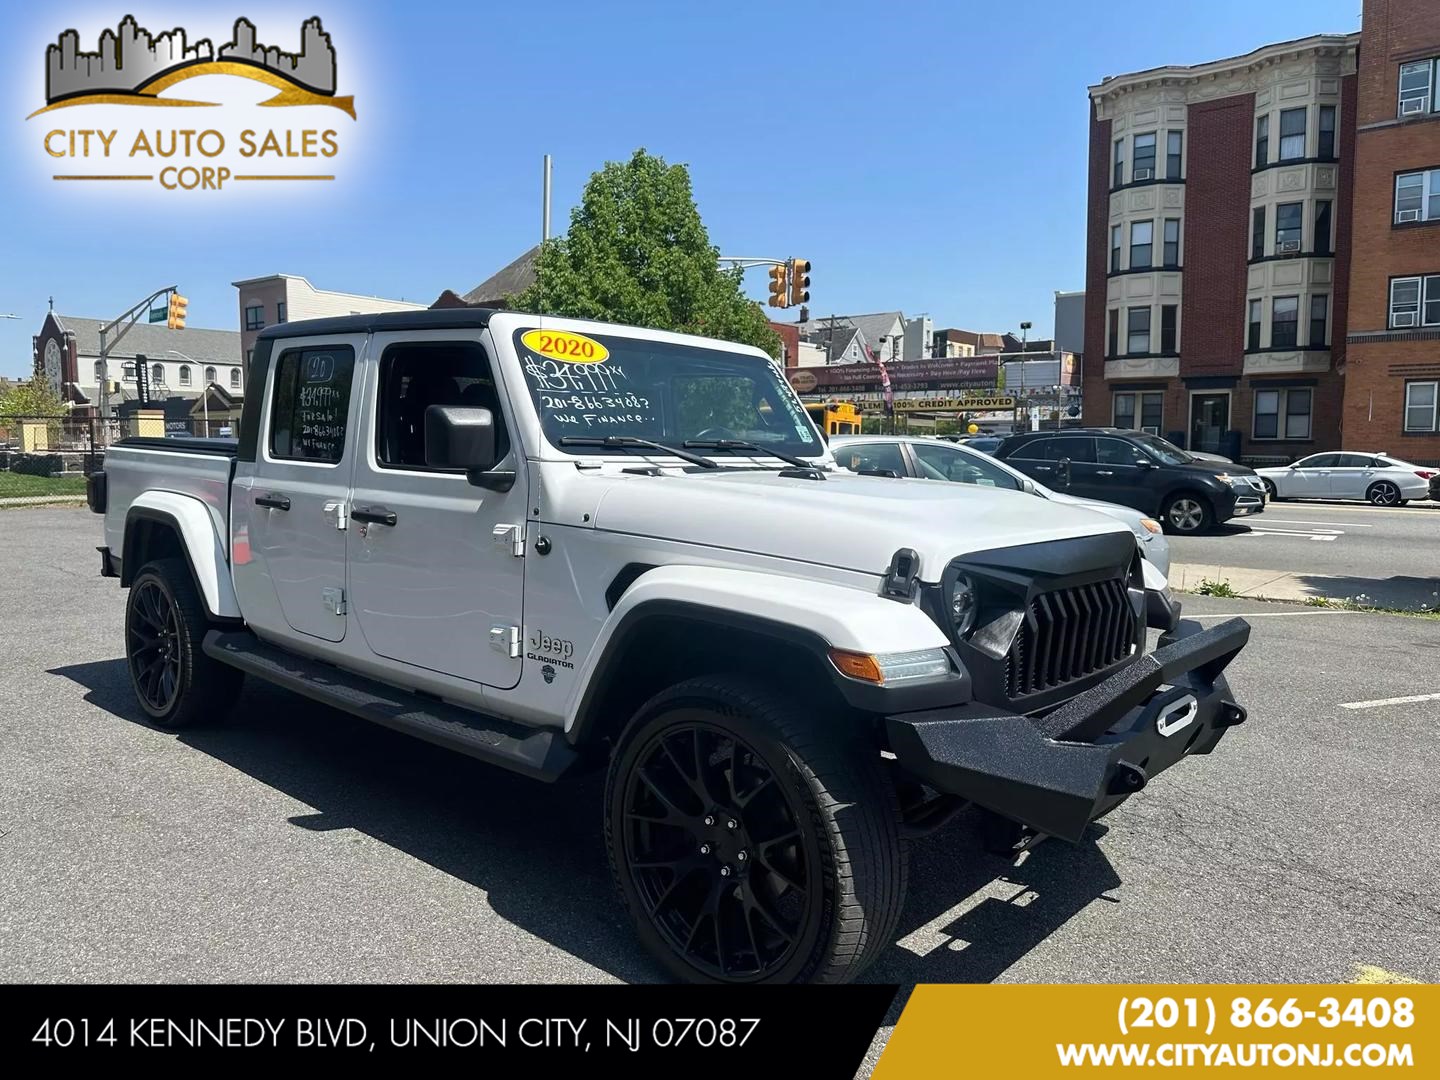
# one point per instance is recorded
(1376, 370)
(1217, 222)
(1096, 401)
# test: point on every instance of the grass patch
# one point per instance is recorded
(1215, 588)
(21, 485)
(1361, 603)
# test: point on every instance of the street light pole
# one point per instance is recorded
(204, 390)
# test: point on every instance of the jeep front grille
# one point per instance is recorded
(1068, 634)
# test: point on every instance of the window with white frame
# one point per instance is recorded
(184, 374)
(1118, 168)
(1139, 411)
(1283, 413)
(1115, 241)
(1142, 244)
(235, 378)
(99, 371)
(127, 372)
(1417, 196)
(1417, 87)
(1414, 301)
(1137, 327)
(1420, 398)
(1143, 166)
(209, 375)
(1284, 322)
(157, 374)
(1292, 134)
(1174, 147)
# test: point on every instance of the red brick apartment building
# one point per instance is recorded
(1392, 370)
(1265, 234)
(1218, 236)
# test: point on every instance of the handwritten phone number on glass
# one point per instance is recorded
(594, 402)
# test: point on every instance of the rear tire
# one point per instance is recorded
(1384, 493)
(751, 842)
(1187, 514)
(176, 684)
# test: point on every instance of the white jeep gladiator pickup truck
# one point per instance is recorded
(557, 545)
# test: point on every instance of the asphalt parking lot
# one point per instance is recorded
(294, 843)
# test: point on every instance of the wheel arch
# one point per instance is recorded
(676, 623)
(160, 524)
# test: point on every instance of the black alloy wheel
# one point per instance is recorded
(152, 635)
(716, 851)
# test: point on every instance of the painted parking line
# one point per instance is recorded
(1411, 699)
(1273, 614)
(1331, 524)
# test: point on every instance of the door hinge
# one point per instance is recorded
(511, 536)
(506, 639)
(342, 518)
(334, 599)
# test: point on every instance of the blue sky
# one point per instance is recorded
(924, 156)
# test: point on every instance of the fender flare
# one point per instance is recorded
(814, 615)
(203, 547)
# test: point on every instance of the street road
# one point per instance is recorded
(296, 843)
(1391, 555)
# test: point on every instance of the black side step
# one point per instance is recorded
(541, 753)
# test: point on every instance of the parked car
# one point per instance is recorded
(1186, 493)
(929, 459)
(986, 444)
(560, 546)
(1377, 478)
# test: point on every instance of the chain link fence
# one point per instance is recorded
(48, 457)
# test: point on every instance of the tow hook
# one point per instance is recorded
(1128, 779)
(1231, 714)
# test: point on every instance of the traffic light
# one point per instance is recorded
(779, 286)
(176, 317)
(799, 281)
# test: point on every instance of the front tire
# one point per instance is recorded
(176, 684)
(1383, 493)
(751, 842)
(1186, 514)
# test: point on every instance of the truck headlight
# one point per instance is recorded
(889, 669)
(962, 604)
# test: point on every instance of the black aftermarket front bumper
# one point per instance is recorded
(1059, 772)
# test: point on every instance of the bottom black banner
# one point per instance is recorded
(701, 1030)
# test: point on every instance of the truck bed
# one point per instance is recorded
(201, 468)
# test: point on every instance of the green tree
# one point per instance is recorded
(33, 398)
(638, 253)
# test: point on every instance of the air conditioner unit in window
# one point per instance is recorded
(1151, 430)
(1414, 106)
(1143, 174)
(1403, 318)
(1407, 215)
(1287, 247)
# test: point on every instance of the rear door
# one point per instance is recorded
(1073, 459)
(288, 511)
(436, 564)
(1351, 476)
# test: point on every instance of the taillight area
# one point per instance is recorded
(1425, 474)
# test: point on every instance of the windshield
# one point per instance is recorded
(658, 391)
(1162, 450)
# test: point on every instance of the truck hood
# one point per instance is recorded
(846, 521)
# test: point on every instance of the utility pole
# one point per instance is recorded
(545, 203)
(119, 328)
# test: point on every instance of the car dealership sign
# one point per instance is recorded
(938, 373)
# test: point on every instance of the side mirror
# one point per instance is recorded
(1145, 463)
(457, 437)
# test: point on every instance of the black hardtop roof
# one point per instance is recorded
(424, 319)
(1073, 431)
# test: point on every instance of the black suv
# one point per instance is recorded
(1186, 493)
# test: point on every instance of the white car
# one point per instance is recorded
(1378, 478)
(934, 459)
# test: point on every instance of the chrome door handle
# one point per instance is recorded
(1104, 472)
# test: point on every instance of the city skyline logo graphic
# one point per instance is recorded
(185, 138)
(134, 67)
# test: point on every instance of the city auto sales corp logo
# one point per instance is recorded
(134, 77)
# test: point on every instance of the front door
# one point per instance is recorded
(1209, 420)
(1311, 477)
(289, 510)
(441, 586)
